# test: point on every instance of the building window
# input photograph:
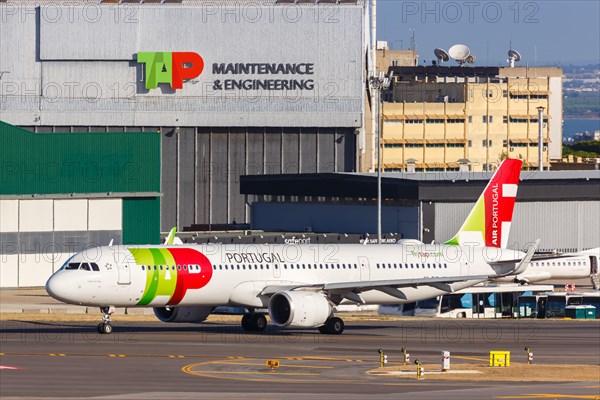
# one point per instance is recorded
(519, 96)
(504, 143)
(407, 145)
(435, 121)
(484, 143)
(455, 145)
(434, 145)
(504, 93)
(491, 119)
(470, 119)
(414, 121)
(518, 120)
(505, 119)
(456, 121)
(470, 143)
(392, 145)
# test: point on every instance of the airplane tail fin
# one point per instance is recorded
(171, 236)
(488, 224)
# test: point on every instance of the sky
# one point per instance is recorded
(548, 32)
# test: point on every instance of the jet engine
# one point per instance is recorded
(298, 309)
(182, 314)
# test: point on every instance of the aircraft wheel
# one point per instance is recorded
(259, 322)
(99, 327)
(335, 326)
(106, 329)
(246, 322)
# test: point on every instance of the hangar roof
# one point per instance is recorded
(437, 186)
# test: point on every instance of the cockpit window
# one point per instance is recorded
(83, 266)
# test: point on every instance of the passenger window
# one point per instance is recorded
(184, 267)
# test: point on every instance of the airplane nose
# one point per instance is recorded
(59, 288)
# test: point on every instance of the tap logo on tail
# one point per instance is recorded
(489, 222)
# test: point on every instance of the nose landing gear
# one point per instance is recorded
(105, 327)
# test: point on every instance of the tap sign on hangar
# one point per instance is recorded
(299, 285)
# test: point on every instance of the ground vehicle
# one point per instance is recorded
(483, 301)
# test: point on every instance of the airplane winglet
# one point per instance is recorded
(527, 259)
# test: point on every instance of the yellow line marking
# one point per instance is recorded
(256, 373)
(550, 396)
(176, 356)
(268, 376)
(262, 365)
(117, 355)
(56, 355)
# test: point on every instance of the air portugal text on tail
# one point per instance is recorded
(298, 286)
(488, 224)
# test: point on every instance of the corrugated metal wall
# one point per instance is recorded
(77, 65)
(563, 226)
(61, 193)
(202, 166)
(78, 163)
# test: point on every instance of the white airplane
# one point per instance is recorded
(543, 267)
(299, 285)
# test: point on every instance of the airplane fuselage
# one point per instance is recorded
(213, 275)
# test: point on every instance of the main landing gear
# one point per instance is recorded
(105, 327)
(333, 326)
(254, 322)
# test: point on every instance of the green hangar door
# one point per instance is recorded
(61, 193)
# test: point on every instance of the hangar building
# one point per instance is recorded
(562, 208)
(238, 88)
(61, 193)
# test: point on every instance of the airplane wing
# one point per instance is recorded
(351, 290)
(392, 287)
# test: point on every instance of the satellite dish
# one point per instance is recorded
(441, 55)
(513, 56)
(459, 52)
(471, 59)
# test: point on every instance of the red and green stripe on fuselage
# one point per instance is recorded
(168, 272)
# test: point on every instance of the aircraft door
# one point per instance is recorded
(593, 265)
(124, 274)
(365, 271)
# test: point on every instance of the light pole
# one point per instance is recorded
(540, 138)
(379, 84)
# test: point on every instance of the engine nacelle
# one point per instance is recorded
(182, 314)
(298, 309)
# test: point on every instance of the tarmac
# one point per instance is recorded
(51, 359)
